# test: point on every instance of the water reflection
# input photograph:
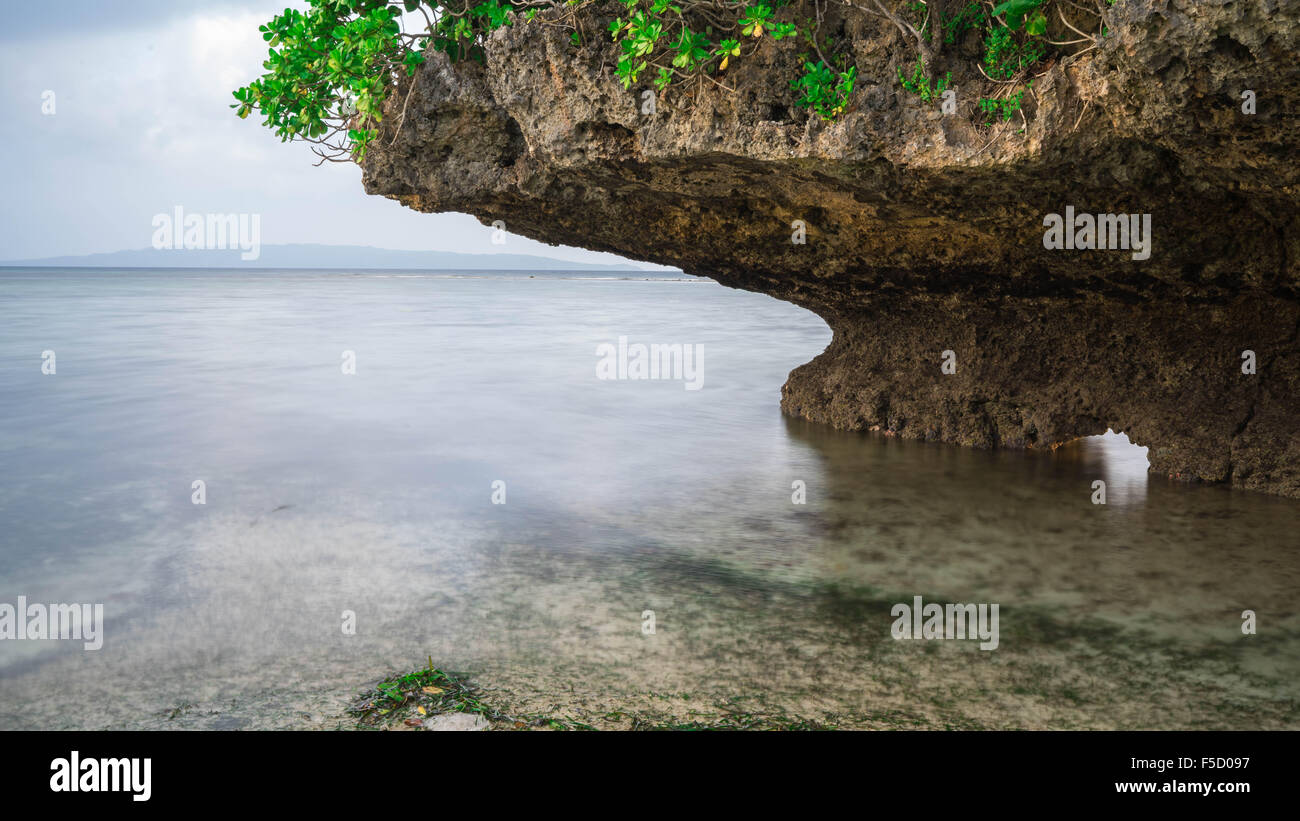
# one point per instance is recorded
(1020, 527)
(1115, 460)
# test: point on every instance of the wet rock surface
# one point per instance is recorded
(925, 231)
(456, 723)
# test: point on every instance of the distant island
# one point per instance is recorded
(325, 257)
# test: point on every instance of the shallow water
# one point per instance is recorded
(372, 493)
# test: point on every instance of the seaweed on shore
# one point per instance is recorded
(410, 698)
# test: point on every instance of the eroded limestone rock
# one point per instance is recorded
(925, 231)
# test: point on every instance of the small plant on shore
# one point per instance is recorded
(408, 699)
(411, 697)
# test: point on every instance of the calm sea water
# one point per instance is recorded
(372, 493)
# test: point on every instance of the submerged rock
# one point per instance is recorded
(927, 234)
(457, 722)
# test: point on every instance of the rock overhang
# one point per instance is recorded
(924, 232)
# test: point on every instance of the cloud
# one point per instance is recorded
(73, 18)
(143, 123)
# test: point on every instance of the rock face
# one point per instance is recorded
(925, 231)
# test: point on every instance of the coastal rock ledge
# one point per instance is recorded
(925, 232)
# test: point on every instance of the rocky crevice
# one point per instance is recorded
(925, 230)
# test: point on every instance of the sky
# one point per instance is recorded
(142, 123)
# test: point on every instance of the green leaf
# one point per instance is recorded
(1015, 11)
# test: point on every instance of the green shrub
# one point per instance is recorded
(922, 84)
(825, 90)
(1004, 57)
(329, 68)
